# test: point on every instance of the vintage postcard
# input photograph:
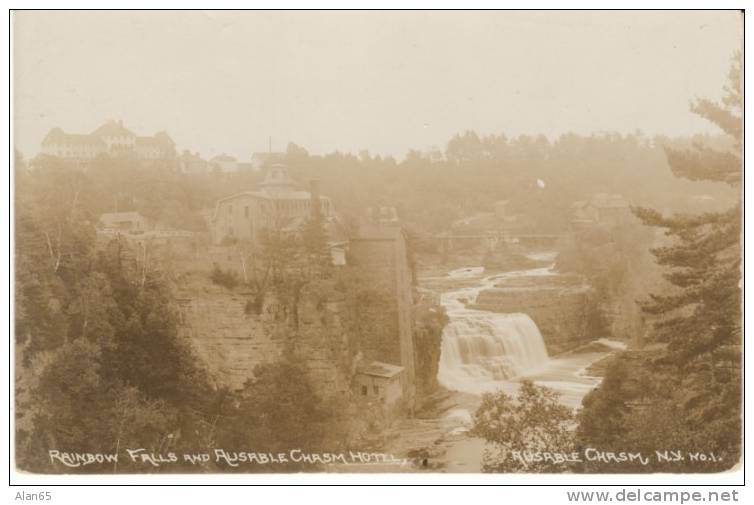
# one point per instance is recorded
(367, 242)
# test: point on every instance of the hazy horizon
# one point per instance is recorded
(386, 82)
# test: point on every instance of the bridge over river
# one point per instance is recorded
(491, 239)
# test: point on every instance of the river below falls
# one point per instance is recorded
(483, 352)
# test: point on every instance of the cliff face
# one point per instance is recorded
(322, 341)
(430, 321)
(563, 312)
(332, 326)
(227, 339)
(231, 339)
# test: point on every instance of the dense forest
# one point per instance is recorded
(99, 363)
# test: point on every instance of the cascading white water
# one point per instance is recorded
(480, 348)
(496, 346)
(486, 351)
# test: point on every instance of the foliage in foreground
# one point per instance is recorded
(533, 422)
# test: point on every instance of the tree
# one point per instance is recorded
(100, 359)
(315, 248)
(601, 421)
(277, 411)
(54, 246)
(701, 317)
(644, 407)
(688, 389)
(533, 422)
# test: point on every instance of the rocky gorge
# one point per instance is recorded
(562, 306)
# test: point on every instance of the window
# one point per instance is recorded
(376, 389)
(230, 209)
(363, 390)
(246, 211)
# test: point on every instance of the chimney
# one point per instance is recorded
(120, 122)
(315, 203)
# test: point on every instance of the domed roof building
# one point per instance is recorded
(277, 181)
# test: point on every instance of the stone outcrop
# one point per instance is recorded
(430, 321)
(225, 337)
(364, 313)
(559, 305)
(322, 340)
(231, 338)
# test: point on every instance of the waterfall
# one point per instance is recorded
(480, 348)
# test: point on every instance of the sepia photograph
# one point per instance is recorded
(376, 242)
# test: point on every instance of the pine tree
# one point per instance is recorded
(686, 395)
(702, 314)
(700, 317)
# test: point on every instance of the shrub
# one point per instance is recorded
(225, 278)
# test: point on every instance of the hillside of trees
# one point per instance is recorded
(431, 189)
(100, 365)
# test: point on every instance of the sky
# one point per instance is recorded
(227, 82)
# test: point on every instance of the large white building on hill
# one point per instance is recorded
(111, 139)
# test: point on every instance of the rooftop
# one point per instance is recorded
(380, 369)
(56, 135)
(109, 129)
(277, 175)
(114, 217)
(290, 195)
(369, 232)
(604, 200)
(268, 156)
(160, 139)
(113, 129)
